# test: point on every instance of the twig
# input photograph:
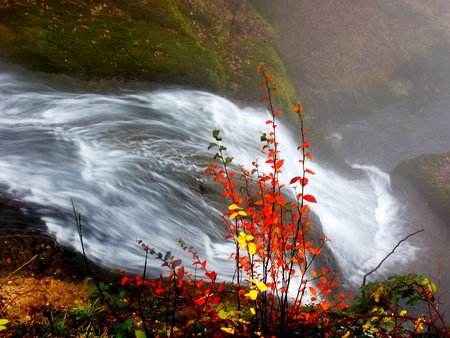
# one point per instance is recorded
(384, 259)
(12, 273)
(88, 267)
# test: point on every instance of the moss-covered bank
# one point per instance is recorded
(190, 43)
(430, 174)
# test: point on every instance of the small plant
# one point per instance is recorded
(272, 232)
(3, 323)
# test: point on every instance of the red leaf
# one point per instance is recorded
(295, 179)
(263, 98)
(303, 181)
(310, 171)
(308, 155)
(180, 272)
(269, 122)
(310, 198)
(221, 286)
(279, 164)
(211, 275)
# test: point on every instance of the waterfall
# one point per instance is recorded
(133, 162)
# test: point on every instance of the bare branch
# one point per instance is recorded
(384, 259)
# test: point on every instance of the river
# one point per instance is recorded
(133, 163)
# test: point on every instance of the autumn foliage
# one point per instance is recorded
(278, 289)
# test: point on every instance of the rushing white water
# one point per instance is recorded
(133, 162)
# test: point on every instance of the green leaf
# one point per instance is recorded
(167, 256)
(216, 133)
(127, 323)
(413, 301)
(212, 145)
(223, 314)
(122, 294)
(139, 334)
(228, 160)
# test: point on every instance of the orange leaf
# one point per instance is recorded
(313, 291)
(279, 164)
(310, 171)
(308, 155)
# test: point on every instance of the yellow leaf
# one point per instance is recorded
(241, 238)
(242, 213)
(252, 310)
(229, 330)
(251, 248)
(261, 286)
(233, 215)
(234, 207)
(253, 294)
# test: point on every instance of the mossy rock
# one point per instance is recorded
(430, 174)
(191, 43)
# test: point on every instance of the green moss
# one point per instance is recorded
(187, 42)
(96, 41)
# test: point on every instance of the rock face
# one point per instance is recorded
(347, 58)
(430, 174)
(23, 235)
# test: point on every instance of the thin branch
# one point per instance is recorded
(384, 259)
(12, 273)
